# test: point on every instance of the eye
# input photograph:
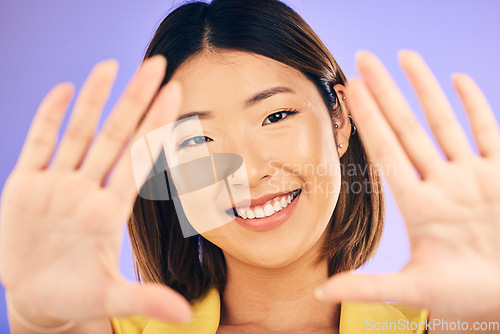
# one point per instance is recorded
(194, 141)
(278, 116)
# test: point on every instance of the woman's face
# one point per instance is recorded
(290, 173)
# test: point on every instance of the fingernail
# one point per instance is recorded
(113, 65)
(158, 59)
(352, 79)
(108, 66)
(320, 294)
(402, 52)
(361, 53)
(187, 314)
(111, 61)
(174, 84)
(455, 75)
(188, 318)
(407, 53)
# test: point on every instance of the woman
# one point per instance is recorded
(227, 56)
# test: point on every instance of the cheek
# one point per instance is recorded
(313, 155)
(201, 210)
(306, 157)
(316, 142)
(320, 171)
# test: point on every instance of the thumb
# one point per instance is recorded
(396, 287)
(151, 299)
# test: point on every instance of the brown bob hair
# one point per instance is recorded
(193, 265)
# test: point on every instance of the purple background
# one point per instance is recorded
(46, 42)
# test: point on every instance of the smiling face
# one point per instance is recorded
(275, 119)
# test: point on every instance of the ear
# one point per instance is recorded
(343, 121)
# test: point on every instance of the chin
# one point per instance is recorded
(275, 261)
(281, 256)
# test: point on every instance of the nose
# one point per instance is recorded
(256, 161)
(226, 164)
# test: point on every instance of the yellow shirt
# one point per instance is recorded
(355, 318)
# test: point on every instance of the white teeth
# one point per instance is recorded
(250, 214)
(259, 213)
(243, 214)
(268, 210)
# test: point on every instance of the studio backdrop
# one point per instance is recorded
(43, 42)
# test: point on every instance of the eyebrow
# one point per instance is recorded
(184, 117)
(265, 94)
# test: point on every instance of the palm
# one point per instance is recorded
(452, 230)
(451, 206)
(73, 231)
(62, 220)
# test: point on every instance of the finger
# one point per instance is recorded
(379, 140)
(85, 117)
(164, 110)
(123, 118)
(414, 140)
(370, 288)
(482, 121)
(42, 137)
(436, 107)
(150, 300)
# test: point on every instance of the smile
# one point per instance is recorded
(269, 208)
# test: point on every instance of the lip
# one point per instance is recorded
(268, 223)
(259, 201)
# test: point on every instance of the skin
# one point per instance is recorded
(272, 274)
(449, 230)
(451, 205)
(52, 215)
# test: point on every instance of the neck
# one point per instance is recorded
(277, 299)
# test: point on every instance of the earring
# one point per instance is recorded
(353, 126)
(336, 126)
(341, 145)
(343, 98)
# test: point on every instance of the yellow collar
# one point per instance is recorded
(355, 318)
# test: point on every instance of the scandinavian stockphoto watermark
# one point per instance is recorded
(205, 186)
(434, 325)
(327, 178)
(186, 173)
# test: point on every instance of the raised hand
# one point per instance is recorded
(450, 204)
(63, 210)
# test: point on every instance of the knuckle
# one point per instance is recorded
(135, 97)
(383, 151)
(407, 127)
(443, 123)
(92, 101)
(78, 134)
(40, 141)
(48, 119)
(114, 132)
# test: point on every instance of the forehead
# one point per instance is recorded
(234, 63)
(234, 75)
